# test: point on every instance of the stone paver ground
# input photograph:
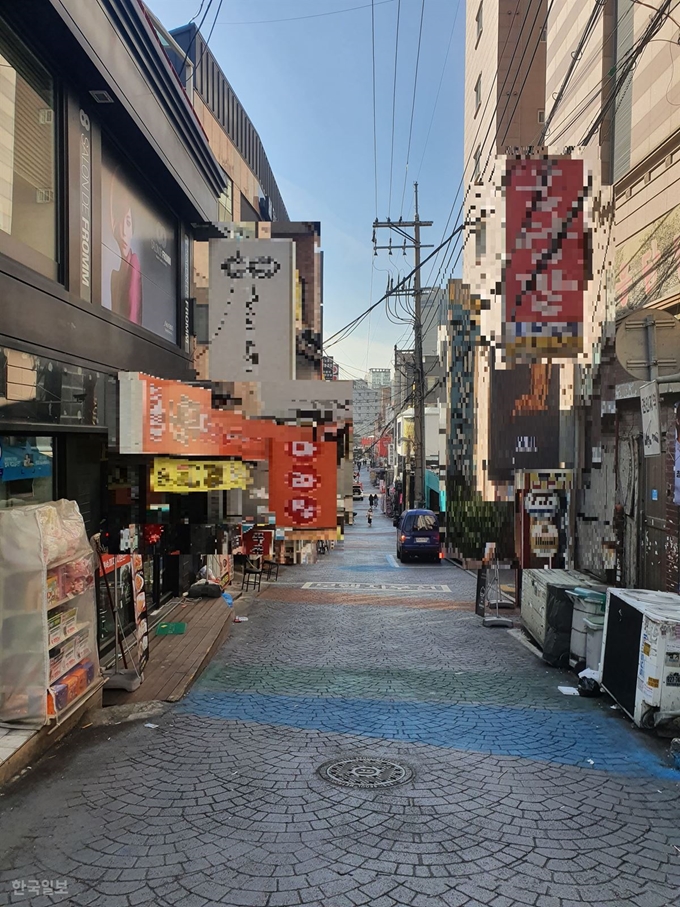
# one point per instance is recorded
(520, 795)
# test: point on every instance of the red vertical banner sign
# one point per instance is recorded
(303, 484)
(547, 255)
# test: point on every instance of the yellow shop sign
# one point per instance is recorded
(176, 475)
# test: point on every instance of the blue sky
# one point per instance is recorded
(306, 84)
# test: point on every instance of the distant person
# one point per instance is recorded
(205, 573)
(369, 517)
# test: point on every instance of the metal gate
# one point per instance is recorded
(653, 523)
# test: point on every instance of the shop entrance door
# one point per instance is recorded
(80, 475)
(653, 520)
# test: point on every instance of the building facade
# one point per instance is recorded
(607, 108)
(379, 377)
(89, 189)
(366, 409)
(505, 66)
(101, 196)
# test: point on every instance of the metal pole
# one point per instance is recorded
(650, 337)
(419, 396)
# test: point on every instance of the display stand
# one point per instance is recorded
(489, 590)
(48, 653)
(114, 570)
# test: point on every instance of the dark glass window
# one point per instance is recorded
(27, 470)
(28, 182)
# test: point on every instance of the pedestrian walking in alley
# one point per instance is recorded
(369, 516)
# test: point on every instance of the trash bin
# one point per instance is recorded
(594, 626)
(587, 603)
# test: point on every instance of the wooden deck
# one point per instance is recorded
(176, 661)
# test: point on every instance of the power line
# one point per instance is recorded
(575, 59)
(655, 25)
(375, 127)
(519, 95)
(439, 88)
(445, 263)
(352, 325)
(200, 8)
(193, 38)
(332, 12)
(519, 67)
(207, 40)
(479, 126)
(394, 105)
(413, 106)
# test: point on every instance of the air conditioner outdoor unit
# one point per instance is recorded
(548, 611)
(640, 663)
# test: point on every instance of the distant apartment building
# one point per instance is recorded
(404, 379)
(379, 377)
(366, 409)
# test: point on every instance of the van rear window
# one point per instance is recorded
(425, 521)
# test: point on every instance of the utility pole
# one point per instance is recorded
(413, 242)
(419, 401)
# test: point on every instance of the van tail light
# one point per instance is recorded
(402, 538)
(441, 555)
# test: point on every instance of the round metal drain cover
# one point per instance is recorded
(365, 772)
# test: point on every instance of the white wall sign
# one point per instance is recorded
(251, 310)
(651, 429)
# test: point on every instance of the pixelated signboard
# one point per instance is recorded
(546, 264)
(182, 476)
(177, 418)
(524, 429)
(302, 484)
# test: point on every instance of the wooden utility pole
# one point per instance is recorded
(413, 242)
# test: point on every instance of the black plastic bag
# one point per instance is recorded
(588, 687)
(205, 590)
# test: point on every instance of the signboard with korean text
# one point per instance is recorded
(651, 429)
(182, 476)
(331, 369)
(547, 255)
(258, 542)
(303, 484)
(252, 310)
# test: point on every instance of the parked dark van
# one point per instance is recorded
(418, 535)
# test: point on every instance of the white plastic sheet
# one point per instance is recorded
(32, 539)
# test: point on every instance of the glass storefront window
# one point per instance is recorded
(27, 149)
(26, 470)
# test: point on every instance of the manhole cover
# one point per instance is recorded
(365, 772)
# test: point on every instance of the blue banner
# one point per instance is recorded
(23, 463)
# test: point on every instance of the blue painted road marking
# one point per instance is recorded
(538, 734)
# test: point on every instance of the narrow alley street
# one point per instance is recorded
(512, 792)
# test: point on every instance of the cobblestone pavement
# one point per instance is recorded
(520, 795)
